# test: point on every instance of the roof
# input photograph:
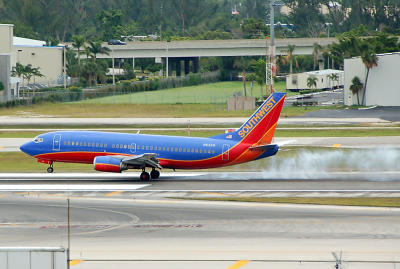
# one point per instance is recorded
(324, 72)
(21, 41)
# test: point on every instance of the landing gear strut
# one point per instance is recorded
(50, 169)
(155, 174)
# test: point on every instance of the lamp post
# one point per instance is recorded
(113, 65)
(327, 25)
(65, 67)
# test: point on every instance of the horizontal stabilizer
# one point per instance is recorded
(264, 147)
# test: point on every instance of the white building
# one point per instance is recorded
(383, 87)
(298, 81)
(27, 51)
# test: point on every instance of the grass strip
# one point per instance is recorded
(342, 201)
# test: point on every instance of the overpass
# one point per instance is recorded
(191, 50)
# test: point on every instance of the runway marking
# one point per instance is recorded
(238, 264)
(75, 262)
(215, 193)
(113, 193)
(71, 187)
(336, 145)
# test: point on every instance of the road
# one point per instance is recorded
(149, 233)
(234, 121)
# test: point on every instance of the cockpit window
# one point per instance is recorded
(38, 139)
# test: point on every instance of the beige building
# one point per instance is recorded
(324, 80)
(383, 81)
(27, 51)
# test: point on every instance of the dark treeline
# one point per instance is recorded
(193, 19)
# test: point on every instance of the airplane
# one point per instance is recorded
(116, 152)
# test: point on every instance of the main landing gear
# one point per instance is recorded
(154, 174)
(50, 169)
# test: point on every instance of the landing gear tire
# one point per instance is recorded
(155, 174)
(144, 176)
(50, 169)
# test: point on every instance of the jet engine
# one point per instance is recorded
(108, 164)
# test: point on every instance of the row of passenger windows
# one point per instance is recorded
(138, 147)
(85, 144)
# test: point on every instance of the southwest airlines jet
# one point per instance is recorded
(115, 152)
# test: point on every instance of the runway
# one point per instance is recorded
(200, 184)
(148, 233)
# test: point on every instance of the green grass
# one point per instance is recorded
(202, 94)
(343, 201)
(12, 162)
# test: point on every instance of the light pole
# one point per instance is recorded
(65, 67)
(272, 5)
(328, 24)
(167, 60)
(113, 65)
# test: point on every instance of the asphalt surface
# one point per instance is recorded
(162, 233)
(383, 113)
(196, 184)
(43, 121)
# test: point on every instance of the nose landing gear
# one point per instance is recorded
(50, 169)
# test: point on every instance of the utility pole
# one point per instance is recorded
(65, 67)
(271, 63)
(113, 65)
(68, 234)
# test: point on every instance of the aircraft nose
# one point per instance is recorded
(26, 148)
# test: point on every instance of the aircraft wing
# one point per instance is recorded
(146, 159)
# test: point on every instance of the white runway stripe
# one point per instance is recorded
(70, 187)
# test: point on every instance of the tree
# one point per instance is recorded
(355, 87)
(96, 48)
(1, 86)
(334, 77)
(36, 73)
(18, 71)
(28, 72)
(78, 42)
(242, 64)
(316, 53)
(259, 68)
(290, 50)
(312, 82)
(370, 60)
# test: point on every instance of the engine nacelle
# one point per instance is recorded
(108, 164)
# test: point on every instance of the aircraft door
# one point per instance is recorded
(225, 152)
(56, 142)
(133, 148)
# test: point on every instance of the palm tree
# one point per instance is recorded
(18, 71)
(355, 87)
(312, 82)
(334, 77)
(370, 60)
(78, 42)
(290, 56)
(87, 51)
(316, 50)
(36, 73)
(242, 64)
(96, 48)
(28, 72)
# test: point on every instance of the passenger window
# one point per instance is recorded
(65, 142)
(192, 150)
(84, 144)
(197, 150)
(176, 149)
(113, 146)
(117, 146)
(125, 146)
(97, 145)
(163, 148)
(101, 145)
(147, 147)
(142, 147)
(151, 148)
(105, 145)
(201, 151)
(73, 143)
(180, 149)
(168, 149)
(184, 149)
(159, 148)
